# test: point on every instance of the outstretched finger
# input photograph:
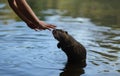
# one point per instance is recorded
(51, 26)
(48, 28)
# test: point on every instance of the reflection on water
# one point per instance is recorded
(22, 49)
(72, 70)
(102, 12)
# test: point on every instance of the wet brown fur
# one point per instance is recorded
(76, 53)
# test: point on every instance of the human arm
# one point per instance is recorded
(23, 10)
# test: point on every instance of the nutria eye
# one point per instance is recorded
(66, 32)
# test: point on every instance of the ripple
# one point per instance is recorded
(2, 5)
(22, 49)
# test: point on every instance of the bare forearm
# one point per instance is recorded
(26, 10)
(23, 10)
(13, 5)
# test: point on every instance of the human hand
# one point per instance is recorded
(41, 25)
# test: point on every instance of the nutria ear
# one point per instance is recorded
(59, 45)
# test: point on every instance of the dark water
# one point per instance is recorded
(25, 52)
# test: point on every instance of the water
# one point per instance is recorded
(25, 52)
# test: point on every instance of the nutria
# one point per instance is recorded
(76, 53)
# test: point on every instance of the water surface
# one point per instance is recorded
(25, 52)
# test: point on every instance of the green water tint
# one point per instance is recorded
(94, 23)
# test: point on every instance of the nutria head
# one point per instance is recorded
(60, 35)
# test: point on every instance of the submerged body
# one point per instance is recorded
(76, 53)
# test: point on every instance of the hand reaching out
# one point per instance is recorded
(24, 11)
(40, 26)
